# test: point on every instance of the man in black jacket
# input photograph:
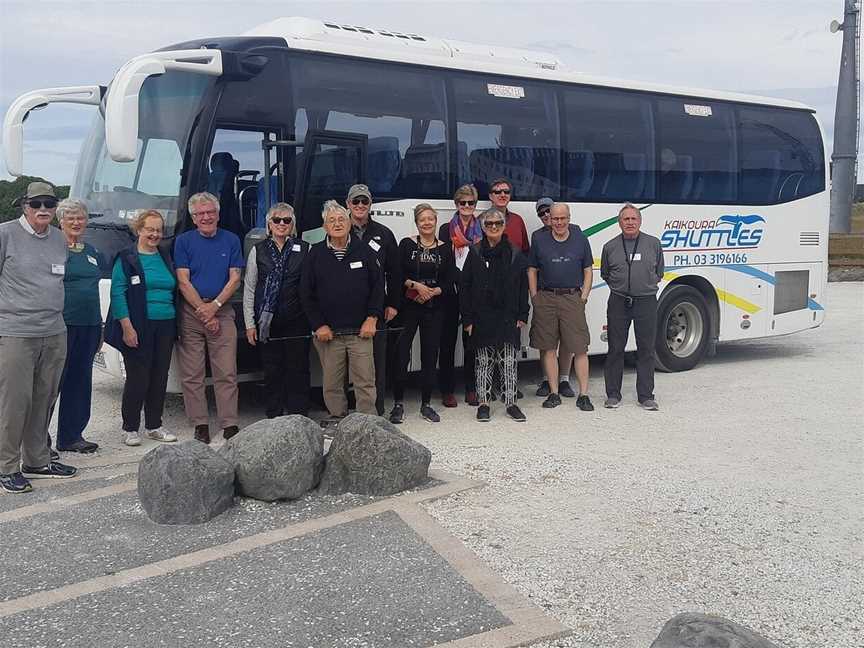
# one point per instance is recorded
(342, 290)
(381, 240)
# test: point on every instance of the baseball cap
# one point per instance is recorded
(359, 190)
(39, 189)
(543, 202)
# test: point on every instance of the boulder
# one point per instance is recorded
(276, 459)
(694, 630)
(369, 456)
(184, 483)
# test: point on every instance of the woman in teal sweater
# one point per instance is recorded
(143, 327)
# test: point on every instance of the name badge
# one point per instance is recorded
(135, 280)
(295, 247)
(92, 260)
(374, 245)
(58, 268)
(356, 264)
(637, 256)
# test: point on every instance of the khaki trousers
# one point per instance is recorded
(30, 370)
(196, 346)
(354, 354)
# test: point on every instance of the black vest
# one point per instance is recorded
(289, 307)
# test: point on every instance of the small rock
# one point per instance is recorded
(184, 483)
(278, 458)
(694, 630)
(369, 456)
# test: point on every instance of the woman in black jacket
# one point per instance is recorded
(493, 297)
(274, 316)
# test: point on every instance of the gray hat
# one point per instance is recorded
(544, 202)
(359, 190)
(38, 190)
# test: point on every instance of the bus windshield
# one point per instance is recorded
(115, 191)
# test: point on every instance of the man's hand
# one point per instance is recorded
(324, 333)
(252, 336)
(212, 326)
(469, 329)
(390, 313)
(584, 297)
(367, 330)
(207, 311)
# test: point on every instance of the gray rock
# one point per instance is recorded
(694, 630)
(278, 458)
(369, 456)
(184, 483)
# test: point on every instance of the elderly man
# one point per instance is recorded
(209, 262)
(32, 339)
(342, 291)
(632, 265)
(559, 281)
(500, 193)
(383, 243)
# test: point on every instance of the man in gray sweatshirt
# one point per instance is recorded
(632, 265)
(32, 339)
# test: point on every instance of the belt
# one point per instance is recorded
(562, 291)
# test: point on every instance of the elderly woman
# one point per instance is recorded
(274, 317)
(493, 295)
(142, 326)
(427, 272)
(461, 232)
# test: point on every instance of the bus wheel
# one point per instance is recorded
(683, 329)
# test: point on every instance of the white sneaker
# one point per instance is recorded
(161, 434)
(132, 439)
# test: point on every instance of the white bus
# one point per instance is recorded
(298, 110)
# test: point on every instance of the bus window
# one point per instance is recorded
(507, 128)
(698, 152)
(160, 175)
(609, 146)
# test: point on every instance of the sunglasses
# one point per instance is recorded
(360, 201)
(467, 203)
(48, 203)
(501, 191)
(497, 223)
(279, 220)
(544, 212)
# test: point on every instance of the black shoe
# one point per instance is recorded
(543, 390)
(515, 413)
(429, 414)
(81, 445)
(397, 413)
(55, 456)
(202, 433)
(566, 390)
(54, 470)
(584, 403)
(483, 413)
(230, 431)
(15, 483)
(552, 400)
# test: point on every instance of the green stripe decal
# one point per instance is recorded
(600, 226)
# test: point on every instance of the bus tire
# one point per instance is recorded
(683, 329)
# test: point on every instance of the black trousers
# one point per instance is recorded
(147, 376)
(450, 328)
(76, 383)
(286, 369)
(428, 320)
(643, 315)
(383, 351)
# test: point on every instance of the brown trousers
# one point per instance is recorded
(195, 347)
(354, 354)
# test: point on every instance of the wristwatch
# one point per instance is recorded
(217, 302)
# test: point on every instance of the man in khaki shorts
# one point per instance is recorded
(559, 280)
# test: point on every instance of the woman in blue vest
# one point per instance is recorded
(142, 326)
(274, 317)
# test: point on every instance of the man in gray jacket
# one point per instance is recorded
(32, 339)
(632, 265)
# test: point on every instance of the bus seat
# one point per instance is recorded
(761, 176)
(516, 163)
(384, 163)
(625, 179)
(424, 170)
(220, 182)
(636, 170)
(677, 183)
(261, 217)
(579, 174)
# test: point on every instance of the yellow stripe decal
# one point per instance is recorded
(722, 295)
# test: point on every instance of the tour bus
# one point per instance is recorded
(297, 110)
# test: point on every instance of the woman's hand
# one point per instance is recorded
(424, 293)
(130, 337)
(469, 329)
(252, 336)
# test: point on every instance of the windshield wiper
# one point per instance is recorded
(110, 226)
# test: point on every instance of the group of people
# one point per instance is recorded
(357, 296)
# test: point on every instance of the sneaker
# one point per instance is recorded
(471, 398)
(132, 438)
(449, 400)
(584, 403)
(81, 445)
(15, 483)
(202, 433)
(55, 456)
(612, 403)
(552, 400)
(543, 390)
(483, 413)
(398, 413)
(566, 390)
(429, 414)
(230, 431)
(161, 434)
(54, 470)
(515, 413)
(649, 404)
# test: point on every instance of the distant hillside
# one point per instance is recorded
(10, 192)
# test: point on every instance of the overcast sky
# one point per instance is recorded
(781, 49)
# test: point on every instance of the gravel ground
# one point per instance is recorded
(741, 497)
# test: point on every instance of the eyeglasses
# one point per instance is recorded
(360, 201)
(339, 220)
(47, 203)
(467, 203)
(543, 212)
(495, 223)
(74, 219)
(506, 192)
(278, 220)
(206, 212)
(560, 219)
